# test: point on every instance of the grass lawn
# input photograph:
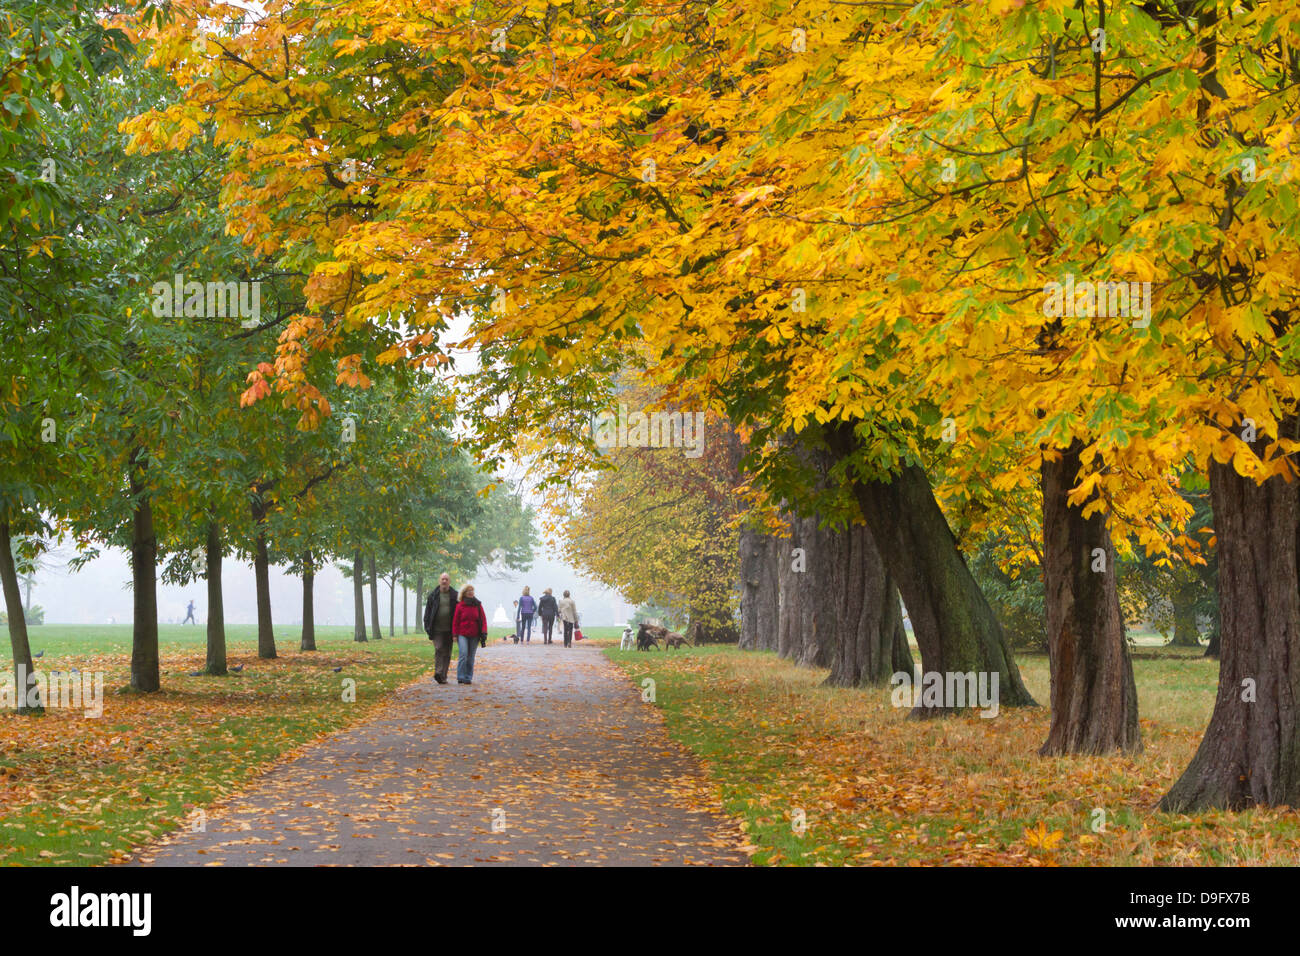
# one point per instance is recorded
(877, 789)
(85, 790)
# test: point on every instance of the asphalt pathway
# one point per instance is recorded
(549, 758)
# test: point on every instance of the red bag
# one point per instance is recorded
(577, 635)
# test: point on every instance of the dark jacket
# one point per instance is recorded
(470, 620)
(431, 609)
(547, 607)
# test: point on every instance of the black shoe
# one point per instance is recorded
(440, 680)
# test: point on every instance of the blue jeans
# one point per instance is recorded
(526, 626)
(465, 665)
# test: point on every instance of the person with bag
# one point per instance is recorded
(439, 613)
(548, 610)
(569, 615)
(470, 628)
(527, 606)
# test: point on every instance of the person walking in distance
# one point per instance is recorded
(189, 614)
(569, 616)
(548, 610)
(470, 628)
(439, 613)
(527, 607)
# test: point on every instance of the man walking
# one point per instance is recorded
(569, 615)
(548, 610)
(439, 612)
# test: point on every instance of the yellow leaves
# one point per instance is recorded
(753, 194)
(1040, 839)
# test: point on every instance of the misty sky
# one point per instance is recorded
(100, 593)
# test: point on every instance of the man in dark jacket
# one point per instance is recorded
(438, 613)
(548, 610)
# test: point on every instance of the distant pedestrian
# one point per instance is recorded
(470, 628)
(439, 612)
(569, 615)
(189, 615)
(548, 611)
(527, 607)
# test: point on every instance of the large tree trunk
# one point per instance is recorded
(1250, 754)
(867, 617)
(216, 663)
(144, 583)
(308, 642)
(760, 589)
(358, 598)
(1094, 698)
(22, 649)
(955, 628)
(262, 573)
(1186, 633)
(374, 601)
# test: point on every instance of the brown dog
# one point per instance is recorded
(675, 640)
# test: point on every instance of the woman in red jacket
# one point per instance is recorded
(469, 627)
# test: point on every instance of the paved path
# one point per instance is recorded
(555, 745)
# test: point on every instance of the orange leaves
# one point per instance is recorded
(350, 372)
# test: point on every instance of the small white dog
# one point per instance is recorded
(629, 639)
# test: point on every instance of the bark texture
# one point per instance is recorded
(374, 602)
(955, 628)
(22, 648)
(1250, 754)
(144, 583)
(1094, 697)
(358, 598)
(308, 642)
(216, 662)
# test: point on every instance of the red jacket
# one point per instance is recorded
(469, 619)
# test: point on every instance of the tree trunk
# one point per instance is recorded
(419, 600)
(790, 599)
(1094, 698)
(1186, 633)
(262, 572)
(955, 628)
(216, 663)
(374, 601)
(22, 649)
(406, 588)
(358, 598)
(144, 583)
(760, 591)
(308, 642)
(867, 616)
(903, 662)
(1250, 754)
(392, 597)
